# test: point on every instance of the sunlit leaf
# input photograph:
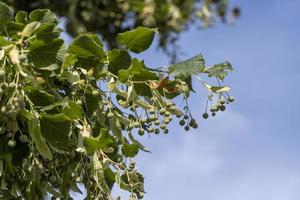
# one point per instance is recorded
(137, 40)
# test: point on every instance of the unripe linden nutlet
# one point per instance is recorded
(166, 131)
(231, 99)
(22, 57)
(205, 115)
(11, 143)
(23, 138)
(222, 108)
(136, 124)
(12, 85)
(182, 122)
(186, 128)
(141, 131)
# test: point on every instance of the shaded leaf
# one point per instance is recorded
(47, 55)
(6, 14)
(39, 97)
(21, 17)
(130, 150)
(48, 31)
(87, 46)
(38, 139)
(56, 128)
(118, 59)
(73, 110)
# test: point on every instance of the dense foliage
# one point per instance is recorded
(110, 17)
(74, 114)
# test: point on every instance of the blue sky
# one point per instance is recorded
(251, 151)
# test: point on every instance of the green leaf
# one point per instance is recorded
(87, 46)
(43, 16)
(73, 110)
(130, 150)
(56, 129)
(47, 32)
(184, 69)
(64, 103)
(135, 141)
(14, 28)
(115, 127)
(47, 55)
(6, 14)
(92, 104)
(91, 145)
(21, 17)
(69, 60)
(109, 176)
(118, 59)
(38, 139)
(4, 42)
(137, 40)
(39, 97)
(7, 157)
(137, 71)
(104, 141)
(220, 70)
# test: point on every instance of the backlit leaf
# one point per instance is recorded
(184, 69)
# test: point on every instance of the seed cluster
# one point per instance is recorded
(220, 105)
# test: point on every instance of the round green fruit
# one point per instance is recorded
(141, 131)
(222, 101)
(231, 99)
(186, 128)
(11, 143)
(22, 57)
(151, 110)
(151, 130)
(205, 115)
(222, 108)
(12, 85)
(136, 124)
(182, 122)
(23, 138)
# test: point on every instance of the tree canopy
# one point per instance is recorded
(110, 17)
(74, 114)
